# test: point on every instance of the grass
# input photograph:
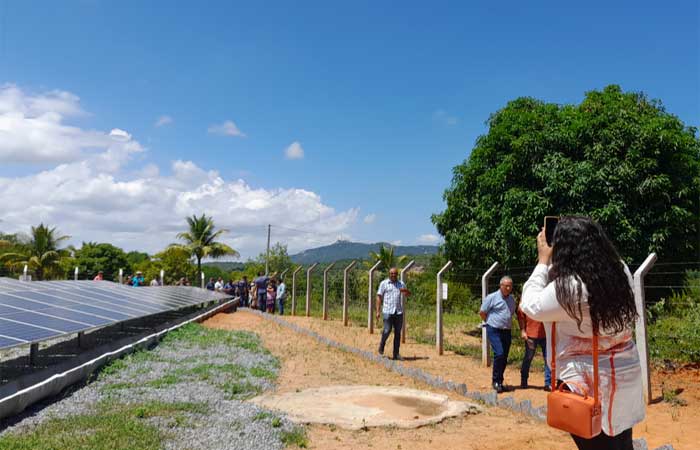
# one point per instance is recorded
(262, 372)
(296, 437)
(114, 425)
(196, 335)
(239, 390)
(111, 426)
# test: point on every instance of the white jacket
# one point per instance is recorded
(620, 387)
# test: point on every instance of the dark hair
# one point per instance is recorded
(581, 250)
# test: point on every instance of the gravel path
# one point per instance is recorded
(214, 370)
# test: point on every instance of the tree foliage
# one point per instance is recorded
(40, 252)
(174, 261)
(278, 261)
(92, 257)
(387, 257)
(201, 240)
(618, 157)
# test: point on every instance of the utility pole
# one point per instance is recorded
(267, 255)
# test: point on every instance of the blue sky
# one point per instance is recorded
(383, 98)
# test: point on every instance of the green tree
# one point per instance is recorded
(387, 257)
(41, 252)
(200, 240)
(174, 261)
(618, 157)
(9, 243)
(135, 259)
(92, 257)
(279, 259)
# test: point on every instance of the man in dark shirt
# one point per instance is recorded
(211, 285)
(243, 291)
(261, 286)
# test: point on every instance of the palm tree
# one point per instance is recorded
(387, 257)
(200, 240)
(40, 253)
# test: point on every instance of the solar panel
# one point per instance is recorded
(9, 342)
(25, 331)
(35, 311)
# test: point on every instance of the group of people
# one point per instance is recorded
(497, 311)
(579, 293)
(266, 293)
(135, 280)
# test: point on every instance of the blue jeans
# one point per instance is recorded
(280, 305)
(500, 340)
(531, 345)
(394, 321)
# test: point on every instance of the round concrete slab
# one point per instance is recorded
(356, 407)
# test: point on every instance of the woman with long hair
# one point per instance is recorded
(587, 291)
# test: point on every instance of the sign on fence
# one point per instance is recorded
(444, 291)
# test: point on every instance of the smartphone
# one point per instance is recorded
(550, 224)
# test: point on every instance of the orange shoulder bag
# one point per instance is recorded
(571, 412)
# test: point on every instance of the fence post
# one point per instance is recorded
(325, 290)
(406, 268)
(294, 290)
(121, 276)
(485, 361)
(438, 325)
(370, 297)
(308, 288)
(162, 277)
(640, 329)
(345, 292)
(76, 273)
(202, 277)
(283, 273)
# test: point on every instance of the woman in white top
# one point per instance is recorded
(586, 290)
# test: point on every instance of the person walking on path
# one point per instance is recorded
(587, 291)
(281, 295)
(391, 307)
(532, 333)
(497, 311)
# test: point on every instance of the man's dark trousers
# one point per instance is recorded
(500, 340)
(394, 321)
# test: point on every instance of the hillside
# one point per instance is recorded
(355, 250)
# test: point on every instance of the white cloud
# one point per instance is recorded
(396, 242)
(294, 151)
(443, 117)
(428, 239)
(33, 131)
(99, 193)
(369, 218)
(228, 128)
(163, 120)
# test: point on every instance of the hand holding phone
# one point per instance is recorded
(550, 224)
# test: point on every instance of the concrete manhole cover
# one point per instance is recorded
(355, 407)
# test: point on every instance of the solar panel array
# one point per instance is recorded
(35, 311)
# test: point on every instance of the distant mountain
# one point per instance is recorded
(226, 266)
(356, 250)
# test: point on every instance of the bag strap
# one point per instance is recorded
(596, 380)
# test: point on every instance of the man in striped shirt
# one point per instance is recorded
(389, 302)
